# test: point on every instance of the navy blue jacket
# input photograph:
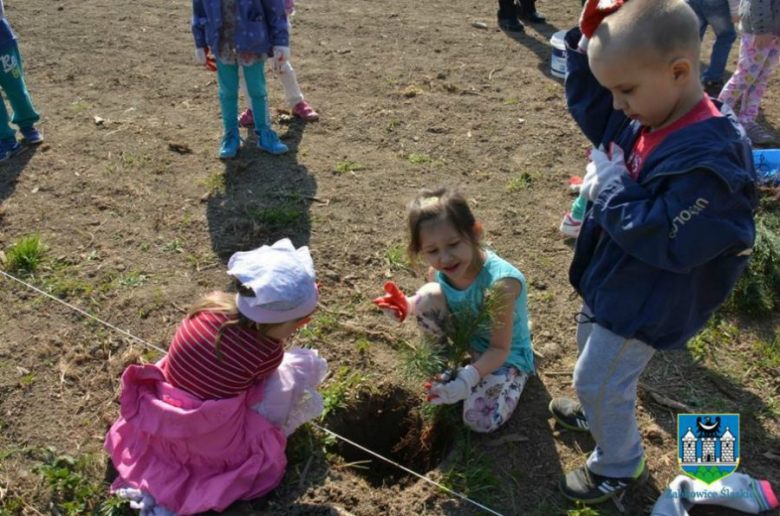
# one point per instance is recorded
(657, 256)
(260, 24)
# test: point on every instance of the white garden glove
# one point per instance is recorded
(602, 170)
(200, 55)
(455, 390)
(280, 56)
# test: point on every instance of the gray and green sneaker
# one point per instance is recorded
(584, 486)
(569, 414)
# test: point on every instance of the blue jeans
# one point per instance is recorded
(606, 378)
(716, 14)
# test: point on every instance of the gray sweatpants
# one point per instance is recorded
(605, 378)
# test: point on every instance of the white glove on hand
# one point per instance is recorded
(456, 390)
(281, 55)
(200, 55)
(602, 170)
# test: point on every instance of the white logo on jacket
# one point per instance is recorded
(684, 216)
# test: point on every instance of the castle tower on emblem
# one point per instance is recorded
(727, 446)
(689, 446)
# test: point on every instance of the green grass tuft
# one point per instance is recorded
(348, 166)
(519, 182)
(25, 254)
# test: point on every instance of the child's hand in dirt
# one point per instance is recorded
(448, 391)
(592, 15)
(394, 304)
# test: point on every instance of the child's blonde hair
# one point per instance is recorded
(225, 303)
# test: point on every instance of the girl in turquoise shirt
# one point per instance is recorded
(444, 232)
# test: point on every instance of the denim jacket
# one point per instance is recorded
(260, 25)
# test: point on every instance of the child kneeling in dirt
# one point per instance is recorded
(667, 232)
(207, 424)
(443, 229)
(12, 83)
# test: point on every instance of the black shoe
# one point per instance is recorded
(535, 17)
(511, 25)
(584, 486)
(569, 414)
(713, 87)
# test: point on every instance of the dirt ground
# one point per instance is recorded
(411, 95)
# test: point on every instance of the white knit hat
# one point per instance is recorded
(282, 279)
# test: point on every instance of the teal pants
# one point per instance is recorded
(227, 75)
(12, 83)
(578, 207)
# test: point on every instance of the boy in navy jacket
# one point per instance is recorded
(669, 223)
(12, 83)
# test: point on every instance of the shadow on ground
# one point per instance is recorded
(265, 198)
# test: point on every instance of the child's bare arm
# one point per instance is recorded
(501, 335)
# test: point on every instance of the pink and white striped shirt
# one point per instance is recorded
(192, 364)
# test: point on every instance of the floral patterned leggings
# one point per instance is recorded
(495, 397)
(746, 87)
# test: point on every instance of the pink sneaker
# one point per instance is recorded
(246, 119)
(305, 112)
(570, 227)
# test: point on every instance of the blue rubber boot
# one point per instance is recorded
(230, 144)
(268, 140)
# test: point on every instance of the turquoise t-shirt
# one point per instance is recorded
(520, 355)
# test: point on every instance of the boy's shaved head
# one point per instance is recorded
(650, 29)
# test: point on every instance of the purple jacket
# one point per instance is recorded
(260, 24)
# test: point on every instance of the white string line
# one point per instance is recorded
(422, 477)
(82, 312)
(334, 434)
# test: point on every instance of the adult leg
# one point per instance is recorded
(719, 17)
(528, 11)
(507, 10)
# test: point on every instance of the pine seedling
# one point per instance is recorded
(445, 352)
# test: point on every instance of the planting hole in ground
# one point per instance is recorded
(389, 423)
